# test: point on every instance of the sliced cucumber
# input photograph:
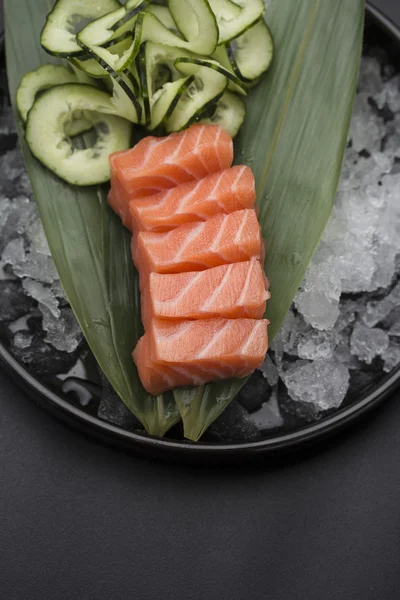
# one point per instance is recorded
(162, 84)
(150, 28)
(207, 87)
(251, 53)
(88, 66)
(115, 60)
(236, 84)
(58, 36)
(127, 22)
(230, 112)
(115, 24)
(196, 22)
(49, 143)
(81, 75)
(141, 68)
(232, 23)
(78, 125)
(166, 99)
(160, 65)
(221, 56)
(42, 78)
(124, 99)
(163, 14)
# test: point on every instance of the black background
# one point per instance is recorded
(81, 521)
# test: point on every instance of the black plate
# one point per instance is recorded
(202, 452)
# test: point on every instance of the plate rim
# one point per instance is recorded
(202, 452)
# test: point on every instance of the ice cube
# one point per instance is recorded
(377, 311)
(366, 128)
(316, 387)
(62, 331)
(43, 295)
(37, 238)
(20, 324)
(268, 416)
(370, 80)
(389, 95)
(14, 178)
(22, 339)
(391, 356)
(394, 331)
(319, 345)
(37, 266)
(269, 370)
(58, 289)
(15, 215)
(318, 298)
(368, 343)
(14, 252)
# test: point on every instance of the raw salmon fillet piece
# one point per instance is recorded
(220, 240)
(172, 354)
(221, 192)
(162, 163)
(233, 291)
(119, 200)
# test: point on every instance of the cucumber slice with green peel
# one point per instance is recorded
(196, 22)
(111, 26)
(165, 100)
(58, 35)
(229, 113)
(232, 23)
(185, 65)
(124, 100)
(141, 68)
(251, 53)
(127, 22)
(50, 144)
(226, 10)
(207, 87)
(92, 66)
(42, 78)
(235, 85)
(81, 75)
(160, 65)
(149, 28)
(163, 14)
(134, 4)
(160, 78)
(117, 62)
(89, 67)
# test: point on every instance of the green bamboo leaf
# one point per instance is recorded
(90, 248)
(293, 138)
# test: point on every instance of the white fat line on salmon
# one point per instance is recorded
(181, 294)
(213, 340)
(191, 236)
(217, 290)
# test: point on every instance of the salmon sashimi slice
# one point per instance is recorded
(119, 200)
(223, 239)
(172, 354)
(232, 291)
(163, 163)
(221, 192)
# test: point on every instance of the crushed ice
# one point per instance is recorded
(345, 321)
(25, 256)
(346, 316)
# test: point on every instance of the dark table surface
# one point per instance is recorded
(81, 521)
